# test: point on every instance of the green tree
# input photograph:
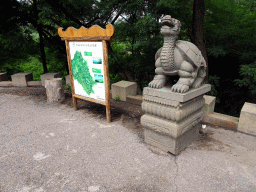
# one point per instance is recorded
(16, 40)
(198, 28)
(40, 32)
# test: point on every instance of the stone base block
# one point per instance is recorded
(21, 79)
(68, 80)
(123, 89)
(49, 76)
(34, 83)
(169, 144)
(171, 128)
(3, 77)
(247, 120)
(172, 120)
(165, 93)
(170, 135)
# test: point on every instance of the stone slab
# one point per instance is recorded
(3, 77)
(49, 76)
(166, 93)
(5, 83)
(34, 83)
(169, 144)
(21, 79)
(247, 120)
(123, 89)
(222, 120)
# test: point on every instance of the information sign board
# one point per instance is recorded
(87, 57)
(87, 68)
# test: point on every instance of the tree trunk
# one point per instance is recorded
(42, 48)
(40, 31)
(197, 29)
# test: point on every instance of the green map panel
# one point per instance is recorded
(81, 73)
(87, 53)
(94, 70)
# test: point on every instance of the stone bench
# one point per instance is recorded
(49, 76)
(3, 77)
(21, 79)
(123, 89)
(247, 120)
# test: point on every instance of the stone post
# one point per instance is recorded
(54, 90)
(172, 120)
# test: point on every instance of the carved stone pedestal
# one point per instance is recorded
(172, 120)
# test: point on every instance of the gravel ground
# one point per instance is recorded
(129, 113)
(51, 147)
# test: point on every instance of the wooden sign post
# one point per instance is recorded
(87, 56)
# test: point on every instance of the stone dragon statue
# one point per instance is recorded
(180, 58)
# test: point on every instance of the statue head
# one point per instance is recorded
(171, 26)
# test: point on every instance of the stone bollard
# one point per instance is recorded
(54, 90)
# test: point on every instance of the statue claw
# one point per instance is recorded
(155, 84)
(158, 82)
(180, 88)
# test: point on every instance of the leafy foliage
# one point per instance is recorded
(67, 87)
(142, 41)
(248, 72)
(214, 81)
(33, 66)
(117, 98)
(16, 46)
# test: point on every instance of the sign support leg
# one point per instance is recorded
(75, 103)
(106, 74)
(108, 113)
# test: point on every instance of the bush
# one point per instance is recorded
(249, 77)
(33, 66)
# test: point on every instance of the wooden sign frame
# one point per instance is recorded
(94, 33)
